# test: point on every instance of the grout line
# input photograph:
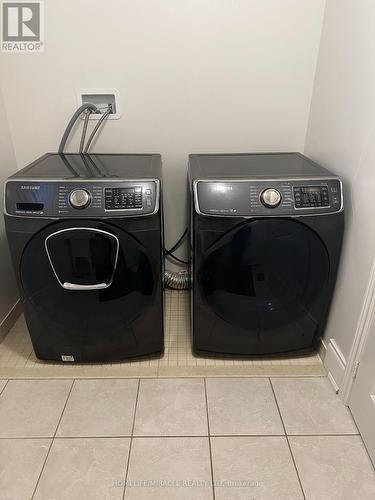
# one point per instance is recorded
(166, 436)
(52, 440)
(340, 434)
(63, 411)
(92, 377)
(2, 390)
(155, 377)
(161, 377)
(271, 435)
(287, 440)
(131, 439)
(351, 416)
(209, 441)
(363, 443)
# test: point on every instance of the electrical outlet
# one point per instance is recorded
(103, 99)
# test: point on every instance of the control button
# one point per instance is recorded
(271, 198)
(80, 198)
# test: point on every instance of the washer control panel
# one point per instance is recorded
(265, 197)
(123, 198)
(104, 198)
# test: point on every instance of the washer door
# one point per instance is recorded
(86, 277)
(267, 277)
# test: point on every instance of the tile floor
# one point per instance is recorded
(17, 358)
(179, 439)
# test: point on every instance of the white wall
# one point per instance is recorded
(341, 135)
(193, 75)
(8, 289)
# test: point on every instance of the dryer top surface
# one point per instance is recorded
(254, 165)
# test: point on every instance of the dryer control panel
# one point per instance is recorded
(265, 197)
(77, 199)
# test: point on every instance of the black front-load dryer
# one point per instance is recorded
(266, 233)
(85, 233)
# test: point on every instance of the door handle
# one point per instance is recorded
(76, 286)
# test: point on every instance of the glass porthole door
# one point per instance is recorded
(89, 278)
(266, 278)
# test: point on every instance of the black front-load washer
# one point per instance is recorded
(86, 235)
(266, 233)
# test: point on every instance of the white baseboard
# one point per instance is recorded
(361, 335)
(322, 349)
(335, 364)
(10, 319)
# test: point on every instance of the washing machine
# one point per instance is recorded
(266, 233)
(86, 234)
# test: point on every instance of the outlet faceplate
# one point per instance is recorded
(102, 99)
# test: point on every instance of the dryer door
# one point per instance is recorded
(266, 283)
(86, 283)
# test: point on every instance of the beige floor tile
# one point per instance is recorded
(247, 468)
(169, 469)
(310, 406)
(92, 469)
(242, 406)
(334, 467)
(100, 408)
(169, 407)
(2, 384)
(32, 408)
(21, 461)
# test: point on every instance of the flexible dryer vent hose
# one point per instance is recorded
(178, 280)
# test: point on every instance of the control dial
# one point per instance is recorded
(80, 198)
(270, 198)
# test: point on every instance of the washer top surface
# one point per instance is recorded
(254, 165)
(92, 166)
(90, 186)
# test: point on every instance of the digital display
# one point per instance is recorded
(123, 198)
(311, 189)
(30, 207)
(311, 196)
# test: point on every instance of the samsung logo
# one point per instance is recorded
(34, 188)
